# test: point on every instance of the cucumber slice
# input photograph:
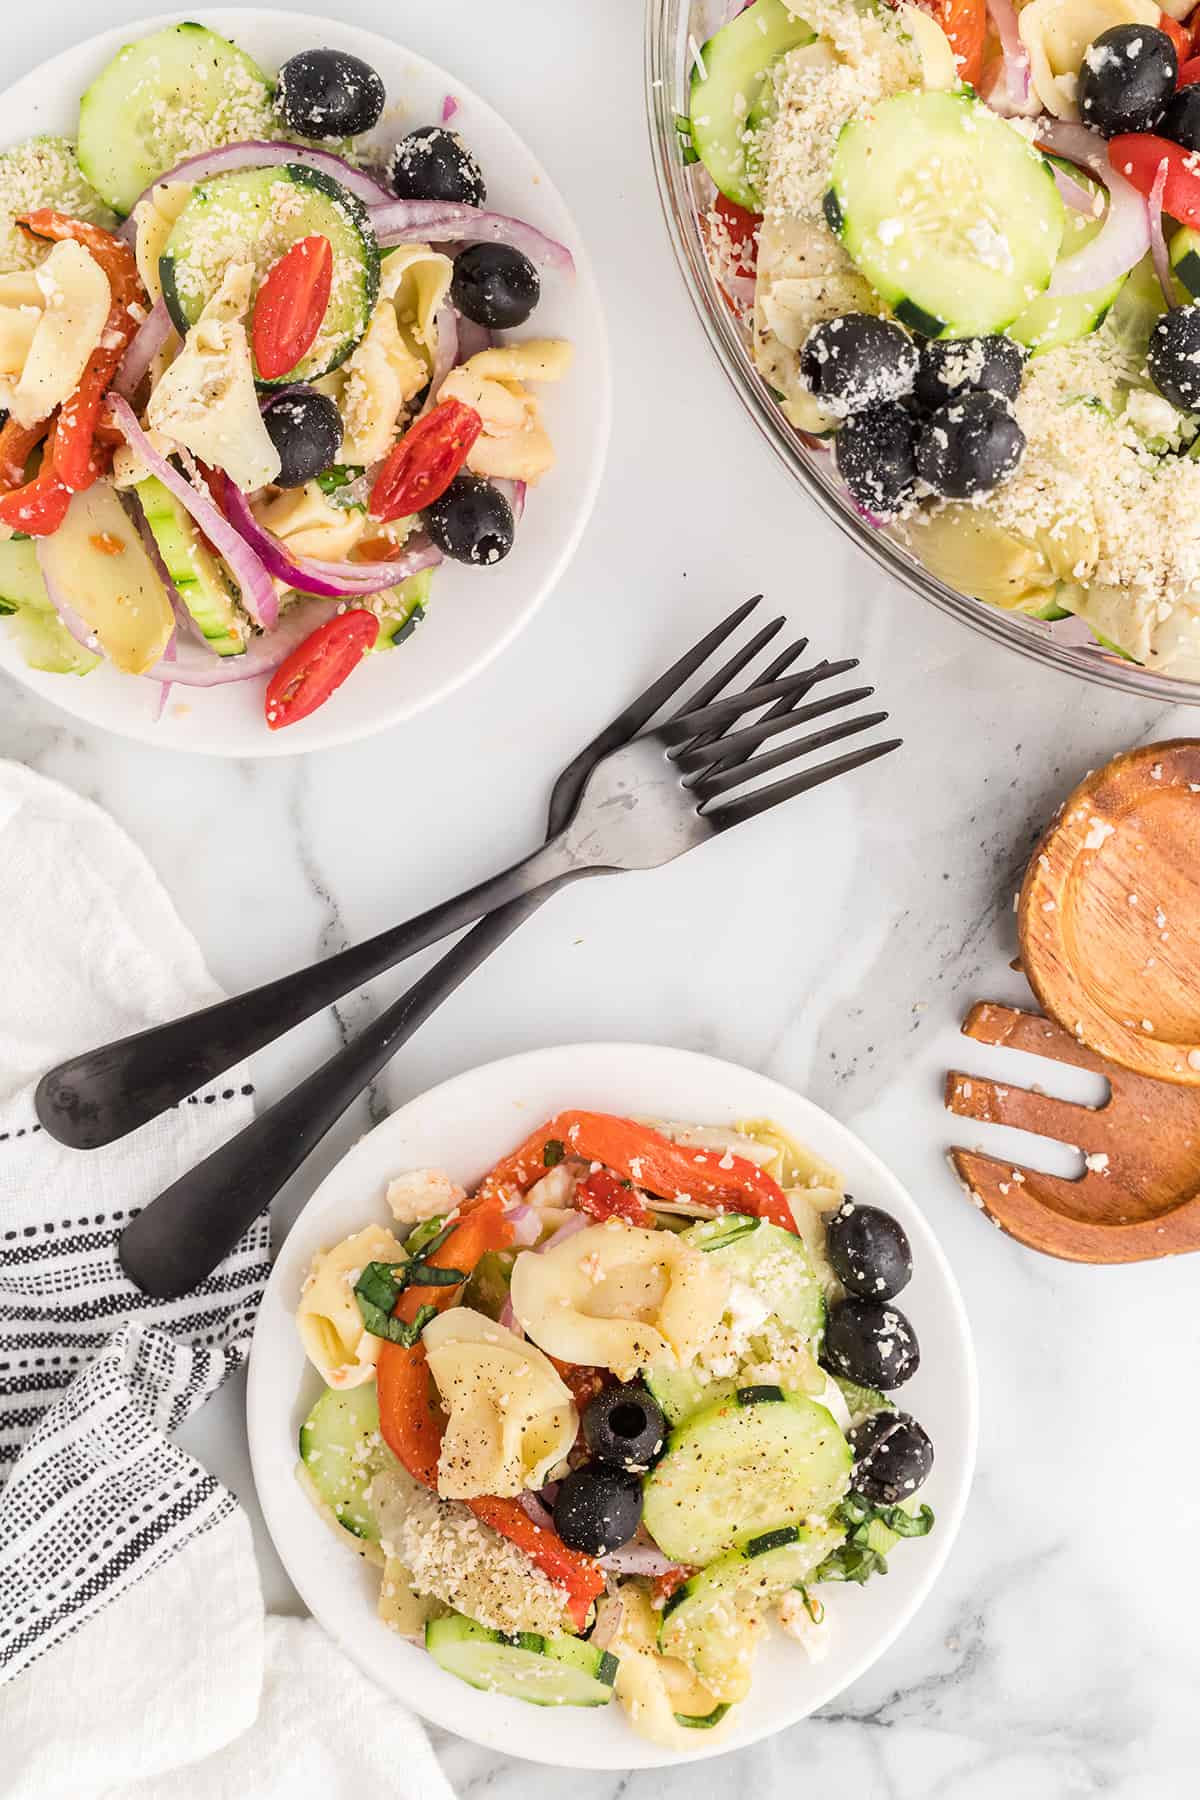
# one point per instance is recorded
(713, 1622)
(546, 1671)
(342, 1451)
(403, 610)
(727, 85)
(950, 215)
(200, 578)
(21, 581)
(167, 96)
(255, 216)
(42, 171)
(1185, 259)
(861, 1401)
(707, 1721)
(740, 1466)
(1054, 319)
(46, 644)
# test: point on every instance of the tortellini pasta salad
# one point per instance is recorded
(963, 243)
(258, 375)
(601, 1422)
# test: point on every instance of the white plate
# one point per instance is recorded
(466, 1125)
(474, 613)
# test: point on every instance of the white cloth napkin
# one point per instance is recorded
(118, 1551)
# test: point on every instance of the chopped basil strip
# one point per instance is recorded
(424, 1237)
(553, 1152)
(420, 1274)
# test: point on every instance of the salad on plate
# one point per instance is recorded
(255, 371)
(603, 1421)
(963, 241)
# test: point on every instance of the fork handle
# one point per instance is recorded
(177, 1241)
(111, 1090)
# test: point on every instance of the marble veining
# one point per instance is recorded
(835, 946)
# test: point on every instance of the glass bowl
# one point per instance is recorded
(685, 191)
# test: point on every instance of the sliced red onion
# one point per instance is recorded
(68, 618)
(311, 575)
(1158, 242)
(147, 341)
(1124, 237)
(257, 589)
(449, 108)
(870, 518)
(526, 1223)
(195, 665)
(537, 1512)
(446, 354)
(472, 338)
(438, 222)
(567, 1229)
(509, 1320)
(268, 154)
(1015, 57)
(1072, 192)
(637, 1559)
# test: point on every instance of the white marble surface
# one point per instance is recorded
(836, 948)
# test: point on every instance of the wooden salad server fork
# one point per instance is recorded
(639, 805)
(183, 1234)
(1139, 1195)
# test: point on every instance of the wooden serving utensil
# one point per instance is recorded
(1139, 1196)
(1109, 913)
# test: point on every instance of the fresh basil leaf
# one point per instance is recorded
(426, 1247)
(553, 1152)
(420, 1274)
(380, 1285)
(425, 1236)
(340, 475)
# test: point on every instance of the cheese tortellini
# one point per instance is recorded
(510, 1416)
(620, 1297)
(394, 360)
(804, 278)
(514, 444)
(51, 319)
(335, 1340)
(655, 1689)
(154, 217)
(307, 522)
(1057, 32)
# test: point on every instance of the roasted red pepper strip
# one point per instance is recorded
(17, 444)
(411, 1424)
(965, 23)
(1137, 154)
(1189, 73)
(71, 457)
(40, 506)
(425, 461)
(606, 1196)
(651, 1162)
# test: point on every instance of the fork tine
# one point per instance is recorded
(735, 812)
(715, 684)
(692, 760)
(687, 725)
(774, 669)
(709, 786)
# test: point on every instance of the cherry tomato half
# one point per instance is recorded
(318, 666)
(742, 227)
(965, 23)
(1179, 35)
(1137, 155)
(425, 461)
(291, 305)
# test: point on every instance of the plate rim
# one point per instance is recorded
(228, 20)
(263, 1400)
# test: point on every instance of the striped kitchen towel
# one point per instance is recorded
(94, 1377)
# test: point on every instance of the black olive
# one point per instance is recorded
(875, 452)
(858, 361)
(869, 1251)
(955, 366)
(328, 94)
(495, 286)
(1174, 357)
(625, 1427)
(969, 446)
(598, 1509)
(892, 1457)
(432, 163)
(1127, 78)
(871, 1342)
(1181, 121)
(472, 522)
(306, 429)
